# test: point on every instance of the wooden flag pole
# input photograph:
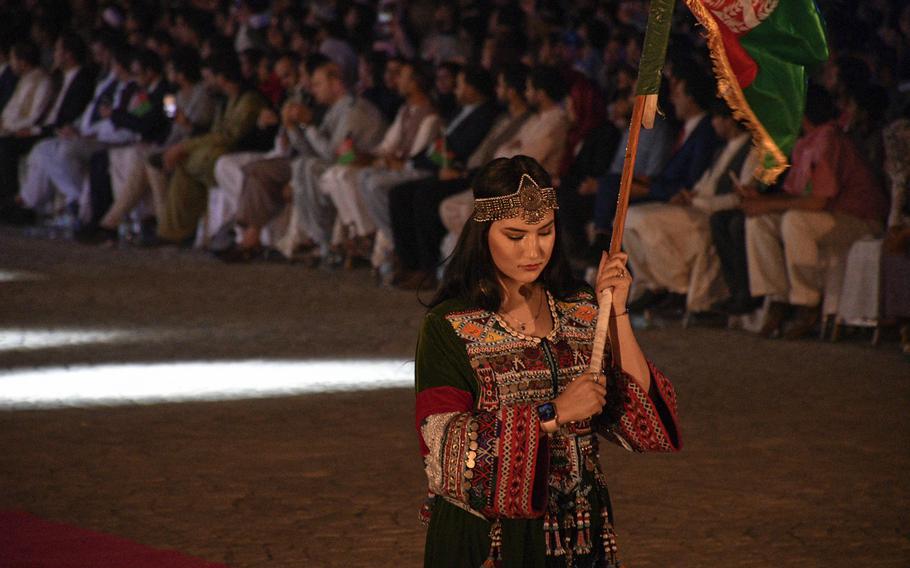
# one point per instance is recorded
(605, 300)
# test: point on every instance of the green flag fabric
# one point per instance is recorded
(760, 50)
(654, 49)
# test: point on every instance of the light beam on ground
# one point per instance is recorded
(32, 339)
(120, 384)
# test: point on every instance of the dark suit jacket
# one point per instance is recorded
(77, 96)
(687, 164)
(594, 158)
(8, 81)
(147, 115)
(466, 137)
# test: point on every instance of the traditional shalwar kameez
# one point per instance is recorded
(500, 488)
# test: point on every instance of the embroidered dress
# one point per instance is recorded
(502, 492)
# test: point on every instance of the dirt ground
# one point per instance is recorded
(796, 453)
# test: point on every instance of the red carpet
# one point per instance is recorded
(27, 541)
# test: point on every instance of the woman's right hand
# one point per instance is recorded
(582, 399)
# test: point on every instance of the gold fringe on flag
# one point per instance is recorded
(729, 89)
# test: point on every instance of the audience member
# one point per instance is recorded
(72, 96)
(61, 162)
(413, 205)
(444, 89)
(588, 159)
(415, 124)
(110, 168)
(669, 244)
(831, 198)
(8, 77)
(543, 136)
(136, 171)
(32, 93)
(349, 123)
(653, 149)
(192, 161)
(454, 211)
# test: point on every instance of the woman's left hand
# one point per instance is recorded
(613, 273)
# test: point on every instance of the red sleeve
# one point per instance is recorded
(649, 421)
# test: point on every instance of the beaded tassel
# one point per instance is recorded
(609, 541)
(560, 551)
(568, 526)
(495, 545)
(583, 525)
(546, 533)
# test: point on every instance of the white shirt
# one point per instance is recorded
(68, 78)
(463, 114)
(542, 137)
(689, 126)
(106, 131)
(705, 188)
(428, 129)
(85, 122)
(33, 91)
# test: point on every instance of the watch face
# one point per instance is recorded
(546, 412)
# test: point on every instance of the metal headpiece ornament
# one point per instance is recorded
(530, 202)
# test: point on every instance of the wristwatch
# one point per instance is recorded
(549, 419)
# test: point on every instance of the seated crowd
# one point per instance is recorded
(341, 134)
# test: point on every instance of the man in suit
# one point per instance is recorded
(8, 78)
(75, 82)
(61, 162)
(413, 206)
(692, 93)
(144, 117)
(669, 244)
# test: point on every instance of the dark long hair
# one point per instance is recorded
(471, 274)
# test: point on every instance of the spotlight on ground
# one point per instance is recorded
(60, 387)
(19, 276)
(32, 339)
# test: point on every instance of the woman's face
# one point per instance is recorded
(521, 250)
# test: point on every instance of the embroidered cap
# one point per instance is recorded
(530, 202)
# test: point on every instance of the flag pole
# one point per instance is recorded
(605, 300)
(647, 86)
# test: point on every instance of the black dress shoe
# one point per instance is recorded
(803, 322)
(774, 319)
(239, 255)
(19, 216)
(95, 235)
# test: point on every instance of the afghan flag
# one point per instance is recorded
(760, 50)
(346, 153)
(140, 104)
(440, 155)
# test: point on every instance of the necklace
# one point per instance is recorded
(522, 324)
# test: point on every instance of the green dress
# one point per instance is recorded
(501, 492)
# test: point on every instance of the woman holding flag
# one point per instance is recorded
(511, 397)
